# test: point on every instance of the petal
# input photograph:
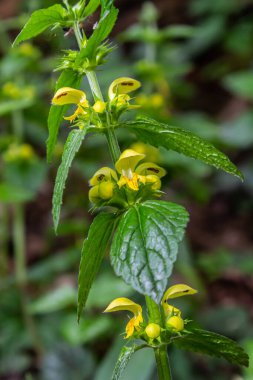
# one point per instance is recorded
(128, 160)
(170, 310)
(78, 111)
(122, 86)
(178, 290)
(123, 304)
(103, 174)
(68, 95)
(149, 168)
(133, 182)
(129, 328)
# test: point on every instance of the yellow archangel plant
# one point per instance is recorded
(118, 99)
(137, 325)
(129, 174)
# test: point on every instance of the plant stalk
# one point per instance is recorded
(97, 94)
(161, 356)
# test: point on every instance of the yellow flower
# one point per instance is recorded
(126, 304)
(68, 95)
(126, 165)
(175, 291)
(103, 174)
(121, 86)
(151, 153)
(148, 168)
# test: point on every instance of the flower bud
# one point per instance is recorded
(99, 106)
(94, 194)
(175, 323)
(105, 190)
(153, 330)
(156, 182)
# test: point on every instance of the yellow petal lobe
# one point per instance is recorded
(68, 95)
(128, 160)
(122, 85)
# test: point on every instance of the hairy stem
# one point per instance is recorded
(97, 94)
(161, 356)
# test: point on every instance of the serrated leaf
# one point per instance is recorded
(71, 147)
(40, 20)
(101, 32)
(68, 78)
(145, 245)
(91, 7)
(210, 343)
(93, 251)
(182, 141)
(106, 5)
(125, 355)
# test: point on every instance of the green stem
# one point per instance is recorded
(162, 363)
(161, 356)
(97, 94)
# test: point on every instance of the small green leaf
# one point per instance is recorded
(91, 7)
(40, 20)
(93, 251)
(68, 78)
(71, 147)
(209, 343)
(145, 245)
(182, 141)
(125, 355)
(101, 32)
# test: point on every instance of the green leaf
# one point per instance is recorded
(182, 141)
(125, 355)
(91, 7)
(101, 32)
(41, 20)
(68, 78)
(106, 5)
(93, 251)
(209, 343)
(145, 245)
(71, 147)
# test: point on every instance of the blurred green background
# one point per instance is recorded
(194, 59)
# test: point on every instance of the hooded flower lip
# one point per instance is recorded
(121, 86)
(148, 168)
(103, 174)
(175, 291)
(126, 304)
(126, 165)
(69, 95)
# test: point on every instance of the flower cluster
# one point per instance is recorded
(137, 327)
(118, 102)
(130, 181)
